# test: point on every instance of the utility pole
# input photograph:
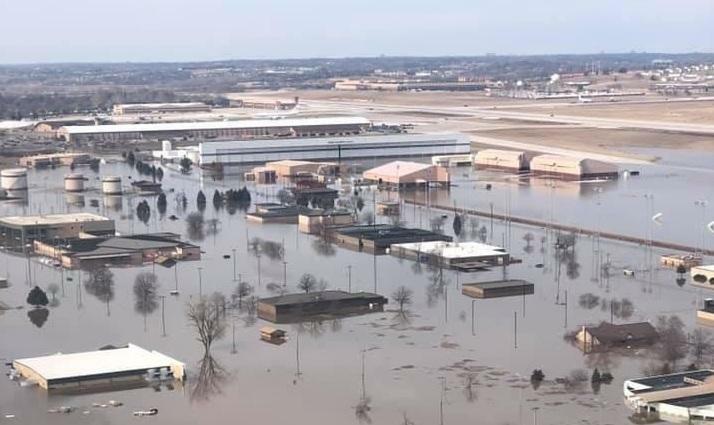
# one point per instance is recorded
(233, 350)
(285, 274)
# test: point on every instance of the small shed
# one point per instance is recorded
(271, 334)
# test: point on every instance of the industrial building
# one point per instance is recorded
(567, 168)
(607, 335)
(316, 221)
(159, 108)
(371, 145)
(104, 369)
(264, 103)
(677, 397)
(19, 230)
(293, 167)
(57, 159)
(242, 129)
(449, 254)
(498, 289)
(515, 161)
(270, 212)
(169, 154)
(703, 276)
(684, 260)
(377, 238)
(402, 174)
(132, 250)
(300, 307)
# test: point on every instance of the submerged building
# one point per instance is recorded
(567, 167)
(363, 145)
(299, 307)
(243, 129)
(449, 254)
(677, 397)
(53, 227)
(500, 159)
(101, 369)
(401, 174)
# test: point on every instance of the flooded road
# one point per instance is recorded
(450, 358)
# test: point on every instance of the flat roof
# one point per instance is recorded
(500, 284)
(387, 231)
(399, 168)
(100, 362)
(673, 380)
(160, 105)
(708, 268)
(52, 219)
(215, 125)
(454, 250)
(301, 298)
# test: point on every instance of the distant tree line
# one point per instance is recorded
(19, 106)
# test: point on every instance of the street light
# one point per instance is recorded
(200, 282)
(234, 264)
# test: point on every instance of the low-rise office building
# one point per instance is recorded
(20, 230)
(159, 108)
(300, 307)
(449, 254)
(57, 159)
(607, 335)
(377, 238)
(316, 221)
(403, 174)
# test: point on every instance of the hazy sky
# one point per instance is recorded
(182, 30)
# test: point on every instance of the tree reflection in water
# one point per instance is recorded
(210, 380)
(38, 316)
(323, 248)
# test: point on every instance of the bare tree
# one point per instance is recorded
(672, 339)
(469, 383)
(195, 226)
(210, 380)
(307, 283)
(241, 291)
(101, 284)
(403, 297)
(209, 323)
(701, 344)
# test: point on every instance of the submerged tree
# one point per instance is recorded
(241, 291)
(201, 201)
(195, 226)
(307, 283)
(37, 297)
(403, 297)
(100, 283)
(146, 287)
(208, 321)
(161, 203)
(185, 165)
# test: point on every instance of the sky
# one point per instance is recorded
(33, 31)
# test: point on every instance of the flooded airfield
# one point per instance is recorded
(450, 359)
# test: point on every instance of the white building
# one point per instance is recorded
(451, 253)
(676, 397)
(341, 147)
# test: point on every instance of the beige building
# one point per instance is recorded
(703, 276)
(502, 160)
(317, 220)
(20, 230)
(293, 167)
(407, 173)
(567, 167)
(56, 159)
(159, 108)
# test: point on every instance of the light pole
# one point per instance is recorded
(703, 205)
(200, 282)
(163, 316)
(285, 274)
(258, 256)
(349, 278)
(234, 264)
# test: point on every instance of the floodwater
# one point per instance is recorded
(451, 359)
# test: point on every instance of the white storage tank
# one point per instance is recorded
(13, 179)
(111, 185)
(74, 182)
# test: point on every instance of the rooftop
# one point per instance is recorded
(52, 219)
(607, 332)
(708, 268)
(399, 168)
(673, 380)
(387, 232)
(454, 250)
(302, 298)
(214, 125)
(100, 362)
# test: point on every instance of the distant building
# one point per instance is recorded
(403, 174)
(265, 103)
(353, 145)
(498, 289)
(572, 168)
(508, 160)
(685, 260)
(104, 369)
(316, 221)
(240, 129)
(703, 276)
(607, 335)
(315, 197)
(677, 397)
(131, 250)
(377, 238)
(294, 167)
(20, 230)
(297, 307)
(448, 254)
(57, 159)
(159, 108)
(705, 315)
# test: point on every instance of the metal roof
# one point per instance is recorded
(453, 250)
(90, 363)
(52, 219)
(216, 125)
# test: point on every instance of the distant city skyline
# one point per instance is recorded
(42, 31)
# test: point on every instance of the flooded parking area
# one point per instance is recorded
(444, 357)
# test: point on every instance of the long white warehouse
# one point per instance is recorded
(346, 147)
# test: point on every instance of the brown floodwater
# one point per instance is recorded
(451, 357)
